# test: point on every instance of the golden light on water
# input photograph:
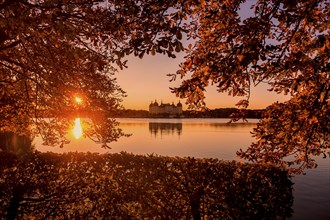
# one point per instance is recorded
(77, 129)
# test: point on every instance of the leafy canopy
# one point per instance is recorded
(51, 51)
(284, 44)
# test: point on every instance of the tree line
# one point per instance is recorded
(209, 113)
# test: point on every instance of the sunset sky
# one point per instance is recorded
(145, 80)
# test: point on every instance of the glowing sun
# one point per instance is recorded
(78, 100)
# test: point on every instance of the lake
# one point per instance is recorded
(210, 138)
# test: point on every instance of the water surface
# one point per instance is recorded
(211, 138)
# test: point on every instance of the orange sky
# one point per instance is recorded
(145, 80)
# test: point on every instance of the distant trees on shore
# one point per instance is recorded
(210, 113)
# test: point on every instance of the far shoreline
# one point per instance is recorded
(209, 113)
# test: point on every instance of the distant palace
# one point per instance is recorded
(166, 109)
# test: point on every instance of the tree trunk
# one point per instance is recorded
(18, 193)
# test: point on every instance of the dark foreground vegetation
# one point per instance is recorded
(127, 186)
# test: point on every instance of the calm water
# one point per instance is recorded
(208, 138)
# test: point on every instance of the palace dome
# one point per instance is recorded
(153, 104)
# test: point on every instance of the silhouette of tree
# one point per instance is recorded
(54, 51)
(284, 44)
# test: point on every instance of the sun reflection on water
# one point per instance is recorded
(77, 129)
